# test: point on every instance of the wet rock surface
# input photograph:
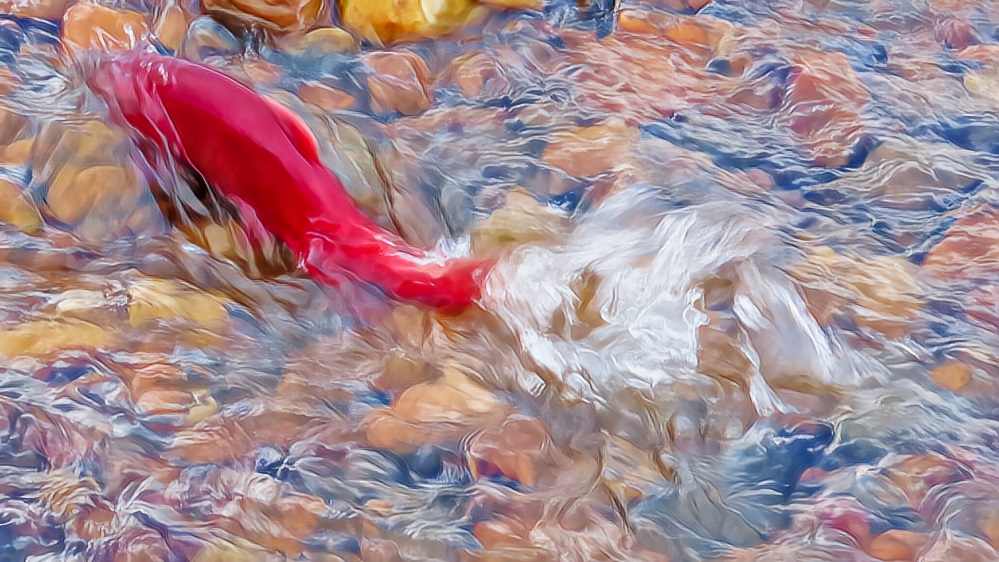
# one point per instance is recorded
(744, 309)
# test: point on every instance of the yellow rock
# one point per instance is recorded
(204, 409)
(92, 26)
(75, 193)
(523, 221)
(17, 208)
(43, 337)
(83, 144)
(456, 398)
(590, 151)
(324, 40)
(83, 304)
(285, 15)
(171, 26)
(984, 82)
(389, 21)
(164, 299)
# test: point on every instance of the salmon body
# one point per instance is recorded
(260, 155)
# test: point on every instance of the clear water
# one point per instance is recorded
(746, 309)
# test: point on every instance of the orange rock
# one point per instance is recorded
(160, 402)
(988, 523)
(971, 248)
(916, 475)
(76, 193)
(981, 53)
(896, 544)
(388, 21)
(286, 15)
(8, 81)
(325, 97)
(170, 27)
(952, 376)
(210, 442)
(156, 376)
(431, 412)
(478, 73)
(823, 106)
(880, 293)
(502, 532)
(515, 4)
(399, 82)
(385, 430)
(700, 35)
(17, 208)
(17, 153)
(275, 427)
(92, 26)
(512, 450)
(590, 151)
(12, 125)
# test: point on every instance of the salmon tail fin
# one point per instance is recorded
(451, 286)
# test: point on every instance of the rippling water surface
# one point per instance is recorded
(746, 307)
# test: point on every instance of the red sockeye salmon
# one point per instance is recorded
(259, 154)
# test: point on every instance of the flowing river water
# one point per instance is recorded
(746, 305)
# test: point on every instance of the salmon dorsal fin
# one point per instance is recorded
(296, 129)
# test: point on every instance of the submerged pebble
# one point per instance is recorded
(744, 305)
(92, 26)
(388, 21)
